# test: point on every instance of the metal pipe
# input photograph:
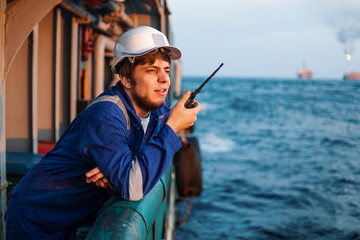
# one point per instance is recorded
(160, 9)
(111, 5)
(102, 43)
(124, 18)
(87, 78)
(177, 78)
(79, 11)
(121, 16)
(3, 194)
(74, 67)
(172, 210)
(87, 16)
(34, 88)
(57, 74)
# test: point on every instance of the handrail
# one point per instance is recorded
(121, 219)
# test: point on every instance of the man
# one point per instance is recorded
(121, 143)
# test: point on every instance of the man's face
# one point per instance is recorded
(152, 82)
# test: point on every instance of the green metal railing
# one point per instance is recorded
(144, 219)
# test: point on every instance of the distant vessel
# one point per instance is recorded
(305, 73)
(350, 75)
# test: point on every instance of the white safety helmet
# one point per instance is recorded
(139, 41)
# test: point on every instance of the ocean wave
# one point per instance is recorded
(243, 105)
(335, 142)
(215, 144)
(207, 106)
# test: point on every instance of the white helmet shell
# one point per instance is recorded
(139, 41)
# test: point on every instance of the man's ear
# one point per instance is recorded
(126, 82)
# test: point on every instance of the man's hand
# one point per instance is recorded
(180, 117)
(96, 176)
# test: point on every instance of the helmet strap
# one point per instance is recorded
(168, 52)
(131, 60)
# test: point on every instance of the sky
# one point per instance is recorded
(267, 38)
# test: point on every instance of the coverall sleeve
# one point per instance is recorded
(104, 144)
(156, 156)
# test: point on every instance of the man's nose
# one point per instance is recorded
(164, 76)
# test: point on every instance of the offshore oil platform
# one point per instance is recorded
(305, 73)
(350, 75)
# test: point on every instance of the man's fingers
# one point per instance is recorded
(94, 175)
(92, 172)
(104, 183)
(100, 184)
(98, 176)
(107, 184)
(104, 180)
(198, 107)
(185, 97)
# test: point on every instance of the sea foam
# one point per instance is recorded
(213, 143)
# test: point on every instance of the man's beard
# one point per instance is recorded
(145, 103)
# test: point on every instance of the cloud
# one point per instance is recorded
(344, 17)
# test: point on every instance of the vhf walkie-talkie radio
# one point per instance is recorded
(190, 102)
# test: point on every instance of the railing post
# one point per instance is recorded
(3, 181)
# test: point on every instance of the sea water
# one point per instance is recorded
(280, 160)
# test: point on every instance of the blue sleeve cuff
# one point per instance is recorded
(170, 137)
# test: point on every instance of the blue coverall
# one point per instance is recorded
(53, 200)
